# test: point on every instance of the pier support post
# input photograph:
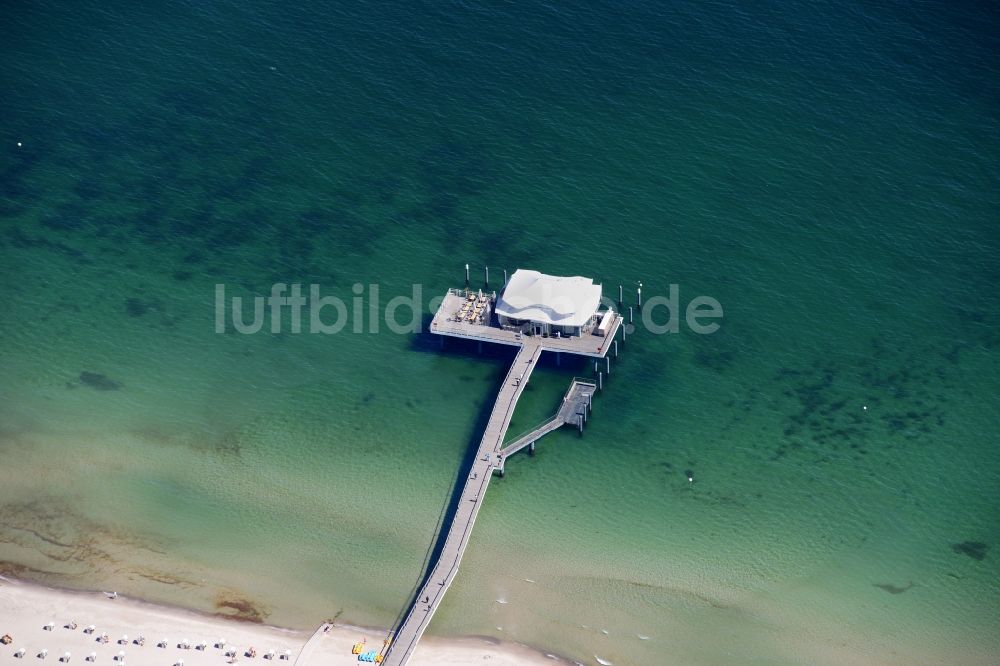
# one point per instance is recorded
(595, 366)
(600, 381)
(531, 449)
(487, 277)
(630, 314)
(590, 401)
(579, 424)
(621, 296)
(505, 276)
(616, 349)
(608, 359)
(638, 296)
(467, 276)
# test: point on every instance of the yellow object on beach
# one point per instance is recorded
(358, 647)
(378, 659)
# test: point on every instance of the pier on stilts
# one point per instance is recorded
(455, 318)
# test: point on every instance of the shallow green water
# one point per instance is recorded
(828, 174)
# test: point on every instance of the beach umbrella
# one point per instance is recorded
(92, 657)
(124, 639)
(180, 662)
(65, 657)
(186, 643)
(43, 654)
(121, 655)
(49, 626)
(91, 629)
(20, 653)
(162, 643)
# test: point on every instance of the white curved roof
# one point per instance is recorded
(534, 296)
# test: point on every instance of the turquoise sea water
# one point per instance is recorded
(827, 172)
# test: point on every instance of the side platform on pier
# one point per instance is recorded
(576, 404)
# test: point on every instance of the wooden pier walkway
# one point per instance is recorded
(488, 458)
(491, 455)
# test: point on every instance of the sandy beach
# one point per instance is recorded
(26, 611)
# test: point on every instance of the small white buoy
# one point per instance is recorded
(18, 144)
(864, 407)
